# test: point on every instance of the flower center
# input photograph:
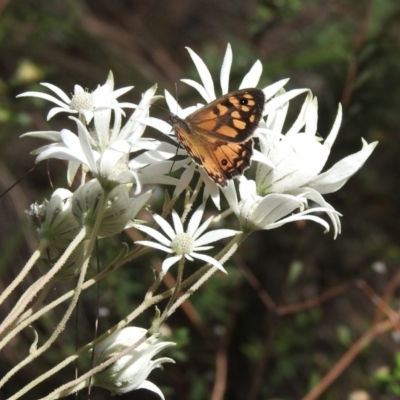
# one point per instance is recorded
(82, 101)
(182, 243)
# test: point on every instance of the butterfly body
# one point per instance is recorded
(218, 135)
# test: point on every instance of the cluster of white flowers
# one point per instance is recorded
(284, 185)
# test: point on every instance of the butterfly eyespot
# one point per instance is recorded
(224, 162)
(243, 101)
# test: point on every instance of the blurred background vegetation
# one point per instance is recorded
(237, 339)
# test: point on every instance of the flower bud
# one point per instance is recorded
(131, 370)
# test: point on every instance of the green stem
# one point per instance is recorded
(171, 300)
(61, 326)
(198, 277)
(56, 394)
(71, 390)
(139, 310)
(189, 203)
(12, 331)
(40, 283)
(21, 326)
(28, 266)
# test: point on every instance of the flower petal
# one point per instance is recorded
(203, 248)
(203, 227)
(184, 180)
(46, 96)
(165, 226)
(173, 106)
(139, 202)
(312, 118)
(230, 194)
(199, 88)
(204, 73)
(56, 110)
(298, 160)
(280, 100)
(53, 136)
(211, 189)
(177, 222)
(335, 129)
(154, 245)
(153, 233)
(316, 197)
(276, 118)
(215, 235)
(152, 387)
(301, 118)
(252, 78)
(274, 207)
(272, 89)
(195, 220)
(63, 96)
(209, 260)
(333, 179)
(168, 262)
(85, 144)
(73, 167)
(226, 69)
(187, 256)
(299, 217)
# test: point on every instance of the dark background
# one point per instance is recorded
(235, 339)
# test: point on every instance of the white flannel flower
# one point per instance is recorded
(298, 157)
(120, 209)
(103, 151)
(83, 102)
(129, 372)
(184, 244)
(256, 212)
(207, 91)
(56, 226)
(56, 223)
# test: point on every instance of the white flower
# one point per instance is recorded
(298, 157)
(207, 91)
(120, 208)
(83, 102)
(184, 244)
(270, 211)
(129, 372)
(58, 225)
(105, 151)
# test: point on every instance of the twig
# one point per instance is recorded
(388, 294)
(259, 373)
(353, 67)
(380, 304)
(256, 285)
(347, 359)
(329, 294)
(221, 370)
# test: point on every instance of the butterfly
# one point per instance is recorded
(218, 135)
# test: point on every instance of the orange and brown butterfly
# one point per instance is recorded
(218, 136)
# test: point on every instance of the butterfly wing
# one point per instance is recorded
(218, 135)
(232, 118)
(221, 160)
(228, 160)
